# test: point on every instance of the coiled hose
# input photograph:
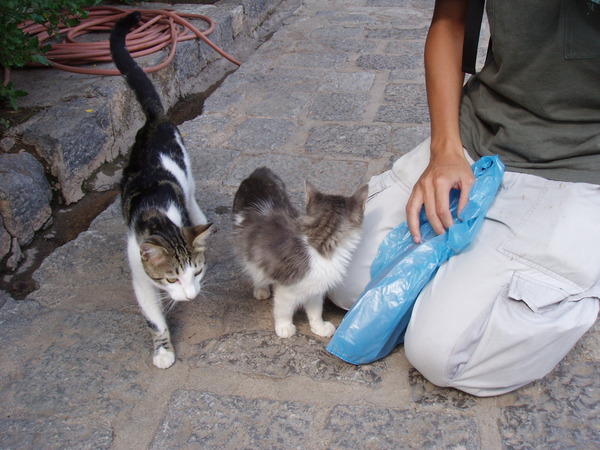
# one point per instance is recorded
(157, 29)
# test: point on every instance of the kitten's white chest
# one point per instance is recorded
(325, 273)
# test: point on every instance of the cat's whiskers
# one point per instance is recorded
(170, 305)
(207, 281)
(164, 297)
(204, 291)
(167, 302)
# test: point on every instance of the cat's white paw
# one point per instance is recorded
(163, 359)
(262, 293)
(285, 331)
(326, 329)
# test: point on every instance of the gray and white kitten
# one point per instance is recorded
(300, 256)
(167, 229)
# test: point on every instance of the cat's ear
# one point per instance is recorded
(198, 235)
(311, 192)
(361, 195)
(153, 253)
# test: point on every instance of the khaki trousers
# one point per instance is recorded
(508, 308)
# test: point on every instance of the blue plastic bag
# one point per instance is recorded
(376, 323)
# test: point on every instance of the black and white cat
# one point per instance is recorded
(167, 229)
(300, 256)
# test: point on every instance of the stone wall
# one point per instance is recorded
(85, 122)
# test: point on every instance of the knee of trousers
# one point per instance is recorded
(428, 353)
(433, 354)
(495, 354)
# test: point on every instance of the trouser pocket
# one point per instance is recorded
(532, 326)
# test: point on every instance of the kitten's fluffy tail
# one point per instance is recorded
(134, 75)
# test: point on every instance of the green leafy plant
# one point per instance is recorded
(18, 48)
(10, 94)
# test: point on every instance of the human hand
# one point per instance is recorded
(432, 190)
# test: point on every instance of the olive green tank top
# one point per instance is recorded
(536, 102)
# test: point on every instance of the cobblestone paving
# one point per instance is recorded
(335, 96)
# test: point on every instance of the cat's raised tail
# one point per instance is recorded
(134, 75)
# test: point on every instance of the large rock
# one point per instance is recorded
(4, 240)
(71, 138)
(24, 197)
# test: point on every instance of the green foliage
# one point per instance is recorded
(17, 48)
(10, 94)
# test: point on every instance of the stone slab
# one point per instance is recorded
(203, 420)
(263, 353)
(24, 196)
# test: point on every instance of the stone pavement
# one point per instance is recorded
(335, 96)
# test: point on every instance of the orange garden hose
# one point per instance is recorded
(157, 29)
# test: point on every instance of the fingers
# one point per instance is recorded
(464, 197)
(437, 210)
(433, 193)
(413, 209)
(440, 216)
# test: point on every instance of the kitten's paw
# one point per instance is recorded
(163, 359)
(326, 329)
(285, 331)
(262, 293)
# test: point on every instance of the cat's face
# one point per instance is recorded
(180, 281)
(176, 269)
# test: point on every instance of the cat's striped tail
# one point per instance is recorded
(134, 75)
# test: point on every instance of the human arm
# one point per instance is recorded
(448, 168)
